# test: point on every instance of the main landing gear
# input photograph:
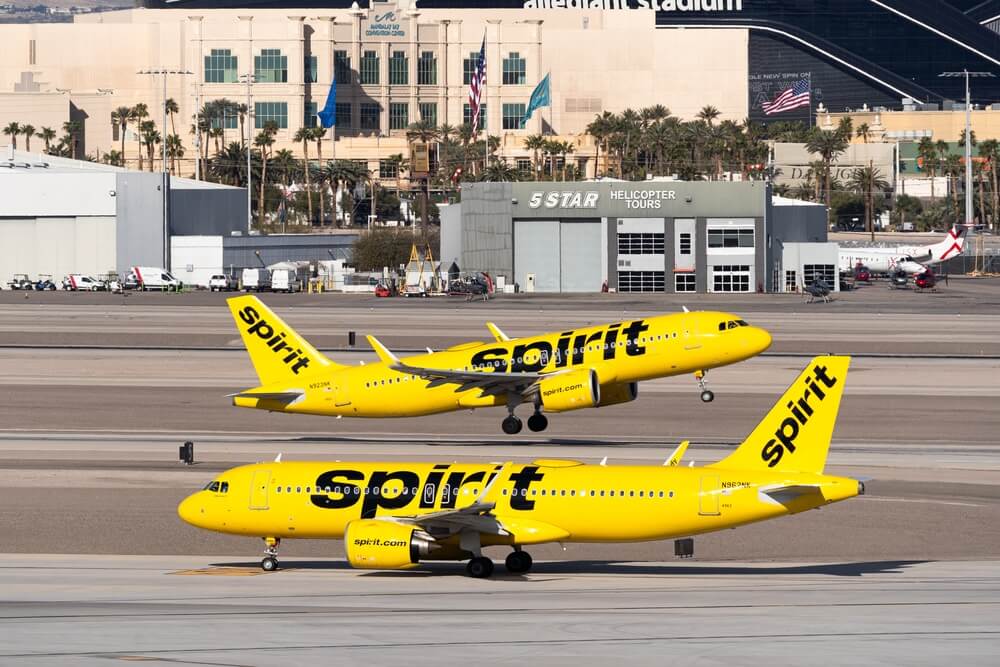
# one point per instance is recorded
(512, 424)
(270, 561)
(706, 394)
(518, 562)
(481, 567)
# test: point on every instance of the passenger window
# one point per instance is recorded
(504, 492)
(278, 489)
(631, 494)
(288, 489)
(298, 489)
(640, 494)
(670, 495)
(307, 489)
(612, 493)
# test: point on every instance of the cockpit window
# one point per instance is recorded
(217, 487)
(732, 324)
(742, 323)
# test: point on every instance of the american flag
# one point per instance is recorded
(792, 98)
(476, 86)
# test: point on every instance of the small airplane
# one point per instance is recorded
(911, 259)
(590, 367)
(394, 515)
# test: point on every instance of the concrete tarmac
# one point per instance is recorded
(89, 610)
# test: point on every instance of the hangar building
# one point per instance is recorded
(650, 236)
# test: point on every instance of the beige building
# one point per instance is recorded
(396, 65)
(892, 126)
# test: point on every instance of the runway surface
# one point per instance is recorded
(92, 610)
(98, 567)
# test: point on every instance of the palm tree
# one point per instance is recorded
(113, 158)
(139, 113)
(845, 128)
(863, 131)
(989, 150)
(927, 151)
(707, 114)
(150, 137)
(867, 181)
(346, 173)
(565, 148)
(242, 110)
(175, 151)
(501, 170)
(534, 143)
(120, 117)
(828, 145)
(600, 129)
(422, 131)
(264, 141)
(47, 135)
(72, 129)
(953, 168)
(304, 136)
(446, 130)
(12, 130)
(317, 134)
(28, 131)
(228, 166)
(171, 108)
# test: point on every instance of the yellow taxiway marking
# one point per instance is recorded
(221, 572)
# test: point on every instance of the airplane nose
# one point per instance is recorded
(760, 340)
(191, 510)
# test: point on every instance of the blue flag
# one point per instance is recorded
(540, 97)
(328, 116)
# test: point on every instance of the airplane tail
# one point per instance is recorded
(795, 435)
(278, 353)
(952, 245)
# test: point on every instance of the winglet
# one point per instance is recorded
(675, 458)
(277, 459)
(495, 330)
(604, 461)
(382, 351)
(685, 309)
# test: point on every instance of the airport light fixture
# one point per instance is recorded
(250, 78)
(968, 138)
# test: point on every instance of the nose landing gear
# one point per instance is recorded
(270, 561)
(707, 395)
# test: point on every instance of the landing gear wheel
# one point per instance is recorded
(480, 567)
(518, 562)
(269, 564)
(538, 422)
(707, 396)
(511, 425)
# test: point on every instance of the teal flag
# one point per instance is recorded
(540, 97)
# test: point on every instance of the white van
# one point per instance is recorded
(255, 280)
(153, 277)
(285, 280)
(77, 282)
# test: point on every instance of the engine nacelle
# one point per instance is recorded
(372, 544)
(570, 391)
(620, 392)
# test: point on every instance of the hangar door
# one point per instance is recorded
(562, 256)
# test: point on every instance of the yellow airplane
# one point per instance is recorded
(394, 515)
(568, 370)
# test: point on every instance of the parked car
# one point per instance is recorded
(21, 281)
(154, 278)
(285, 280)
(77, 282)
(255, 280)
(220, 282)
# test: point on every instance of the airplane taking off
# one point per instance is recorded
(580, 368)
(395, 515)
(911, 259)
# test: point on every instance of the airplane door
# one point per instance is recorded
(258, 489)
(708, 499)
(342, 396)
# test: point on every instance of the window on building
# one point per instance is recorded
(226, 117)
(791, 281)
(469, 67)
(640, 281)
(342, 66)
(512, 115)
(640, 244)
(814, 272)
(310, 119)
(730, 238)
(370, 112)
(270, 67)
(399, 69)
(514, 68)
(731, 278)
(684, 282)
(685, 243)
(369, 69)
(275, 112)
(311, 70)
(429, 112)
(399, 115)
(388, 169)
(345, 118)
(427, 69)
(221, 67)
(467, 115)
(523, 165)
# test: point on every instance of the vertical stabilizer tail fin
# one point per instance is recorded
(278, 353)
(795, 435)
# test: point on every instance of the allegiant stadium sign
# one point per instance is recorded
(656, 5)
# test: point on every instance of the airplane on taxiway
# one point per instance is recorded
(395, 515)
(911, 259)
(589, 367)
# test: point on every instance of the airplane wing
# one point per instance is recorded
(477, 516)
(490, 384)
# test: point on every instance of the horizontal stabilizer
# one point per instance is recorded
(279, 396)
(786, 493)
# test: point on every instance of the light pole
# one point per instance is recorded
(249, 78)
(968, 139)
(164, 175)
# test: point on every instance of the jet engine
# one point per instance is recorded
(613, 394)
(374, 544)
(570, 391)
